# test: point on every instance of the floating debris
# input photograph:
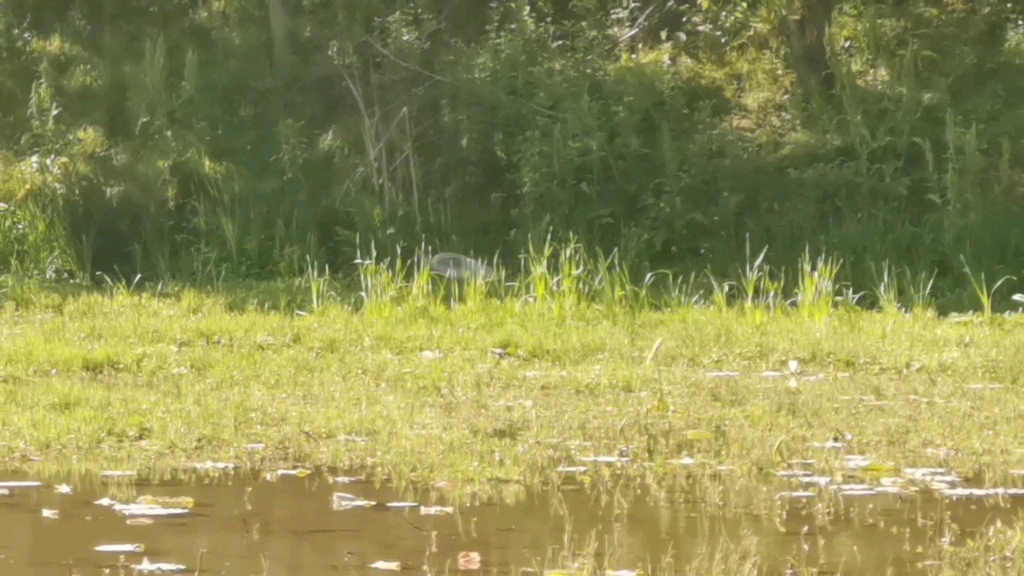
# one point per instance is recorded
(51, 513)
(621, 573)
(794, 366)
(431, 354)
(856, 462)
(914, 398)
(684, 461)
(5, 492)
(117, 474)
(63, 489)
(721, 374)
(938, 478)
(167, 501)
(400, 505)
(892, 490)
(121, 548)
(273, 475)
(606, 459)
(820, 481)
(255, 447)
(348, 479)
(572, 469)
(852, 487)
(983, 386)
(792, 473)
(384, 565)
(528, 404)
(147, 510)
(961, 493)
(153, 567)
(143, 521)
(854, 492)
(436, 510)
(214, 466)
(799, 494)
(469, 560)
(15, 484)
(343, 501)
(828, 445)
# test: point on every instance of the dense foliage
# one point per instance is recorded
(193, 139)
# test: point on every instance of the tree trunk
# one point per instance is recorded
(808, 54)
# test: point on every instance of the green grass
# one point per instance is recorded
(156, 377)
(491, 388)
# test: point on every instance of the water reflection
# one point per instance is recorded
(243, 525)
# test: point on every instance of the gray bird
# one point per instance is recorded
(458, 267)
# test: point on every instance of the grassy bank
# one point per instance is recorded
(508, 386)
(710, 387)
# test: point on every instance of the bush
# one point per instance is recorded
(243, 139)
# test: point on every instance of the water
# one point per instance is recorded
(245, 525)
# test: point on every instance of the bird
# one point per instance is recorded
(458, 267)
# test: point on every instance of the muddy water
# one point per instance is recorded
(242, 525)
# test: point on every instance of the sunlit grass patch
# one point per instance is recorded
(403, 375)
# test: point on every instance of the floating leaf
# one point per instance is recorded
(151, 567)
(167, 501)
(342, 501)
(606, 459)
(14, 484)
(815, 480)
(121, 548)
(572, 469)
(147, 510)
(117, 474)
(797, 494)
(214, 466)
(469, 560)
